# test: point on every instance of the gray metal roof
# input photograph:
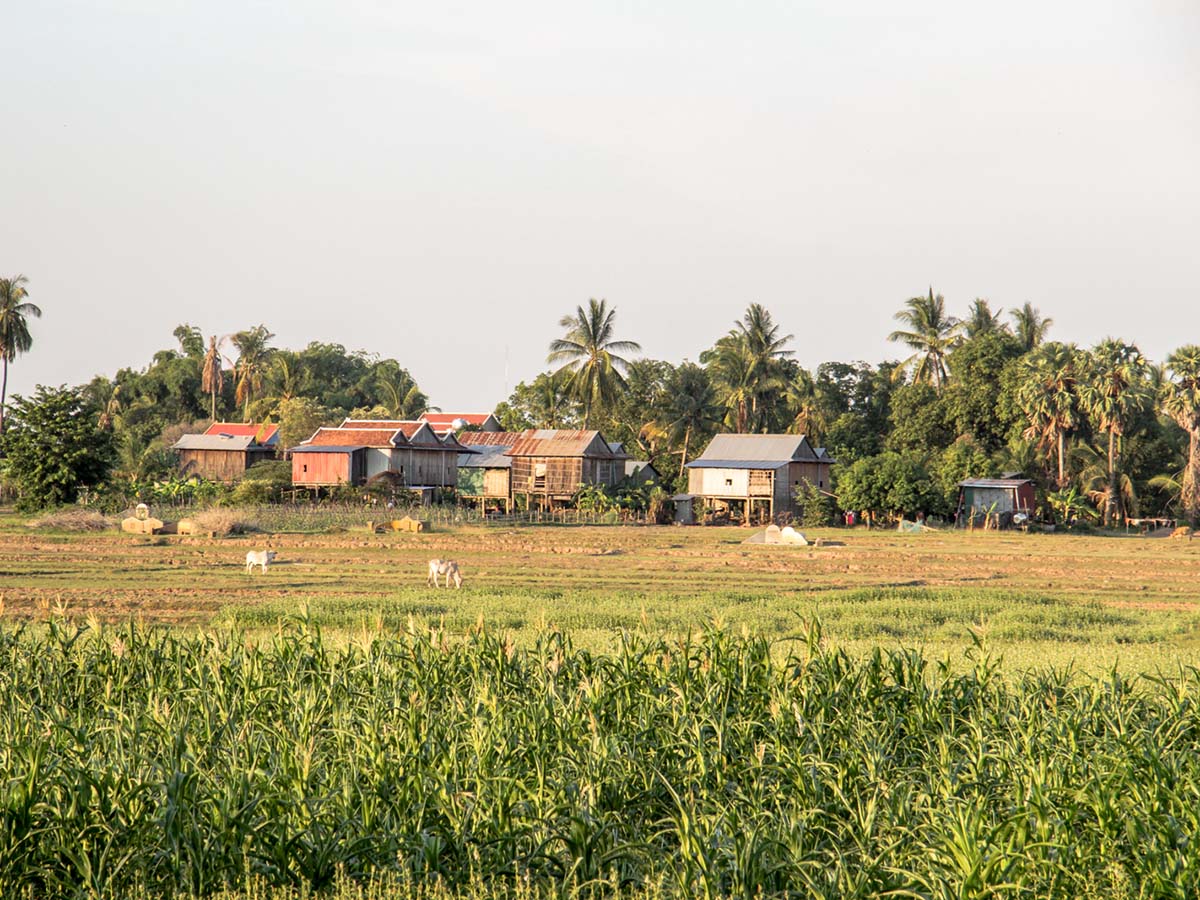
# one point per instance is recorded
(774, 448)
(485, 458)
(214, 442)
(995, 482)
(326, 448)
(738, 463)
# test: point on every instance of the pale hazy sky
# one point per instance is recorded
(441, 182)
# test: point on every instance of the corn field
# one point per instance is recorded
(146, 763)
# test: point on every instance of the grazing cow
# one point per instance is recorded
(447, 567)
(259, 558)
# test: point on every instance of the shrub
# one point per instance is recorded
(224, 521)
(73, 519)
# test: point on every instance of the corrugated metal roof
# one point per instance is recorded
(488, 438)
(773, 447)
(739, 463)
(264, 434)
(995, 482)
(488, 458)
(326, 448)
(347, 437)
(562, 442)
(239, 443)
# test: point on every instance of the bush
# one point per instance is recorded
(73, 519)
(814, 506)
(224, 521)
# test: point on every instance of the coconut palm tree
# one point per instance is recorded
(15, 338)
(1180, 399)
(593, 368)
(253, 355)
(1112, 391)
(932, 334)
(734, 376)
(981, 319)
(401, 396)
(807, 418)
(1030, 326)
(1048, 393)
(212, 373)
(692, 407)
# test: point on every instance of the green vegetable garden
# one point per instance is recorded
(156, 763)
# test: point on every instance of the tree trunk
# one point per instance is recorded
(687, 436)
(214, 406)
(1110, 505)
(1190, 493)
(1062, 477)
(3, 393)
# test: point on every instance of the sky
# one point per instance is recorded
(442, 182)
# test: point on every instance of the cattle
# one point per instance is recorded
(258, 558)
(446, 567)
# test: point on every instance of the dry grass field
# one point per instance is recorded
(1091, 600)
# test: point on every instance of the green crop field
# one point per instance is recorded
(599, 711)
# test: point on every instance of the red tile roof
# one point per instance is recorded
(408, 426)
(347, 437)
(445, 420)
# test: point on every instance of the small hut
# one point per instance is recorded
(485, 476)
(226, 450)
(998, 498)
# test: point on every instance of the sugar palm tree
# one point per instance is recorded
(1113, 390)
(931, 333)
(1030, 326)
(253, 355)
(981, 319)
(212, 373)
(593, 369)
(1180, 399)
(1048, 394)
(692, 407)
(15, 338)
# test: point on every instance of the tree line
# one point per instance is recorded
(1105, 432)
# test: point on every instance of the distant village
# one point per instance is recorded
(751, 477)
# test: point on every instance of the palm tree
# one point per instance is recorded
(932, 334)
(401, 396)
(692, 406)
(212, 373)
(1031, 327)
(733, 374)
(253, 354)
(1112, 391)
(1180, 399)
(15, 338)
(981, 319)
(1098, 484)
(1048, 394)
(592, 366)
(808, 418)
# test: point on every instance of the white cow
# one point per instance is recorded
(446, 567)
(259, 558)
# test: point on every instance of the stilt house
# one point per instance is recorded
(756, 475)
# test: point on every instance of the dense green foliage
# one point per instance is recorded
(298, 389)
(52, 448)
(142, 760)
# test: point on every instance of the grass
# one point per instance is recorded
(1091, 601)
